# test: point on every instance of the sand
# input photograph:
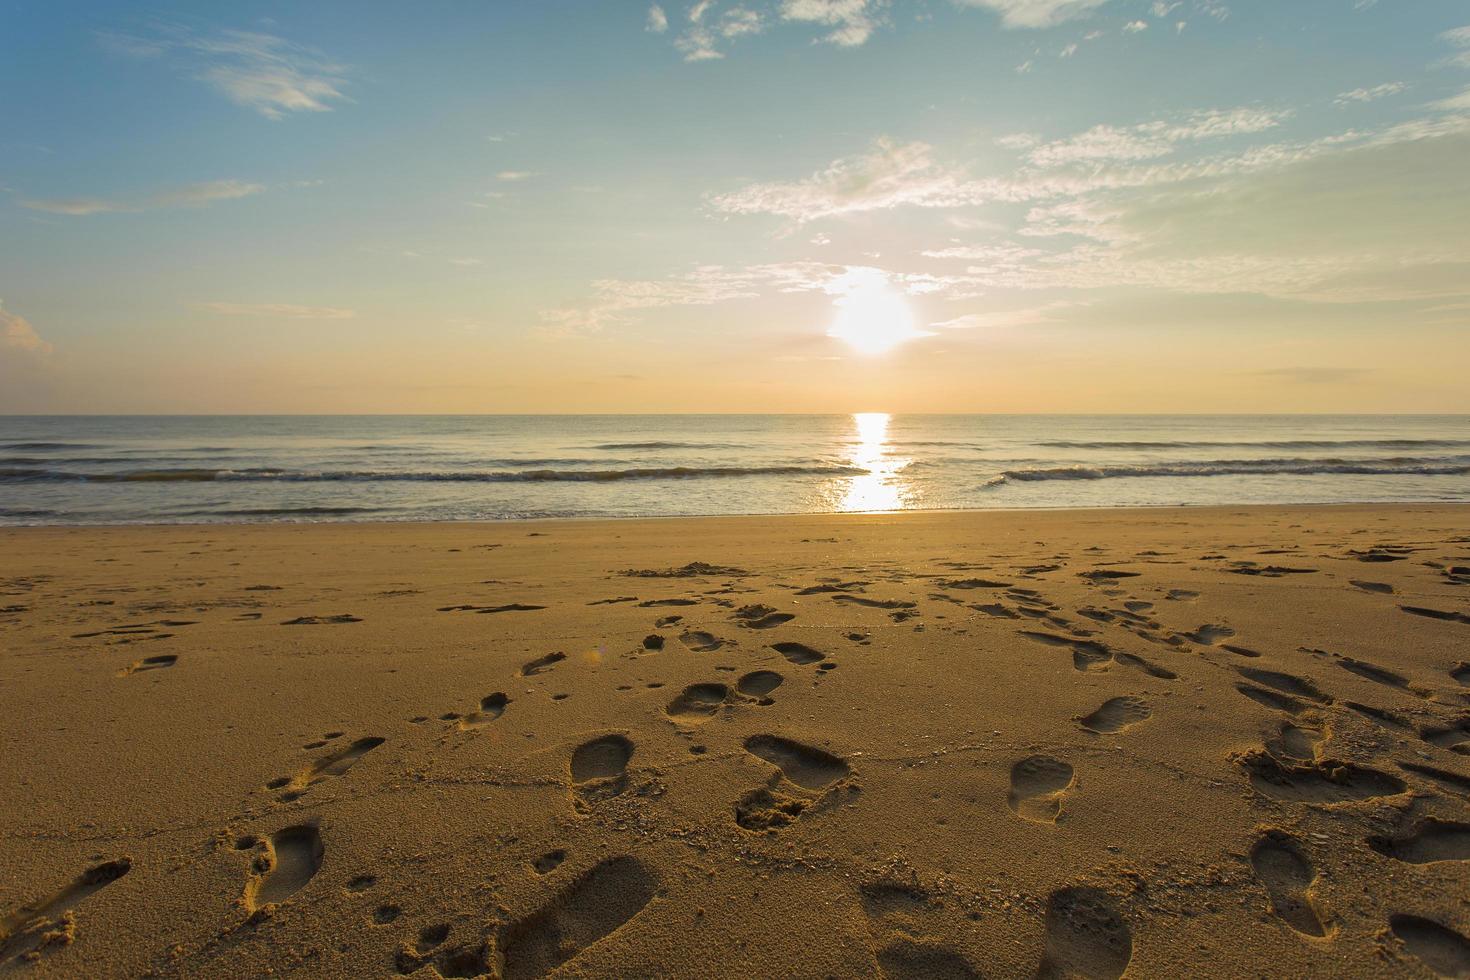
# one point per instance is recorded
(1164, 742)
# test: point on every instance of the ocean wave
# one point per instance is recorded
(285, 512)
(446, 476)
(48, 445)
(1402, 466)
(666, 445)
(1263, 444)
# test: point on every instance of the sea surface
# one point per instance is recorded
(181, 469)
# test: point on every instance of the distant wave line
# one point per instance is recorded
(1445, 466)
(468, 476)
(1264, 444)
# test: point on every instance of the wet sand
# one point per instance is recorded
(1228, 742)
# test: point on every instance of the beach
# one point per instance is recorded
(1063, 743)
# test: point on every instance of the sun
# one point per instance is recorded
(872, 317)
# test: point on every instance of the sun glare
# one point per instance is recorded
(872, 317)
(882, 487)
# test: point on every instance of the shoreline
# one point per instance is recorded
(815, 515)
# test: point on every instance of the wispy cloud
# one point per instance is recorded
(658, 21)
(513, 176)
(853, 22)
(187, 195)
(262, 72)
(17, 334)
(890, 175)
(1036, 13)
(1313, 375)
(280, 311)
(1370, 94)
(1154, 139)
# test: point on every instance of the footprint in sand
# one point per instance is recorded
(758, 685)
(1210, 634)
(798, 653)
(1294, 741)
(590, 909)
(808, 767)
(1288, 875)
(761, 617)
(149, 663)
(599, 767)
(1286, 683)
(492, 706)
(1117, 714)
(1381, 587)
(771, 807)
(1086, 937)
(1454, 737)
(508, 607)
(858, 600)
(907, 958)
(697, 703)
(1274, 700)
(1148, 667)
(1443, 950)
(1460, 673)
(1430, 841)
(700, 642)
(1379, 716)
(1038, 784)
(1086, 654)
(542, 664)
(28, 930)
(1320, 781)
(549, 862)
(286, 861)
(321, 620)
(1373, 672)
(1449, 617)
(1451, 781)
(326, 767)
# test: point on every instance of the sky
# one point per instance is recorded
(735, 206)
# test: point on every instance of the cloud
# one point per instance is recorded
(17, 334)
(853, 22)
(658, 21)
(895, 174)
(187, 195)
(1134, 26)
(280, 310)
(515, 175)
(257, 71)
(1035, 13)
(1455, 103)
(1154, 139)
(1369, 94)
(619, 301)
(706, 31)
(891, 175)
(1001, 319)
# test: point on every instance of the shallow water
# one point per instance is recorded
(177, 469)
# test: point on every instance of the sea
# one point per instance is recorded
(270, 468)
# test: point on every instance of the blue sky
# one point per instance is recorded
(1071, 205)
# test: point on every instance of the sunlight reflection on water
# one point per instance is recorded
(882, 487)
